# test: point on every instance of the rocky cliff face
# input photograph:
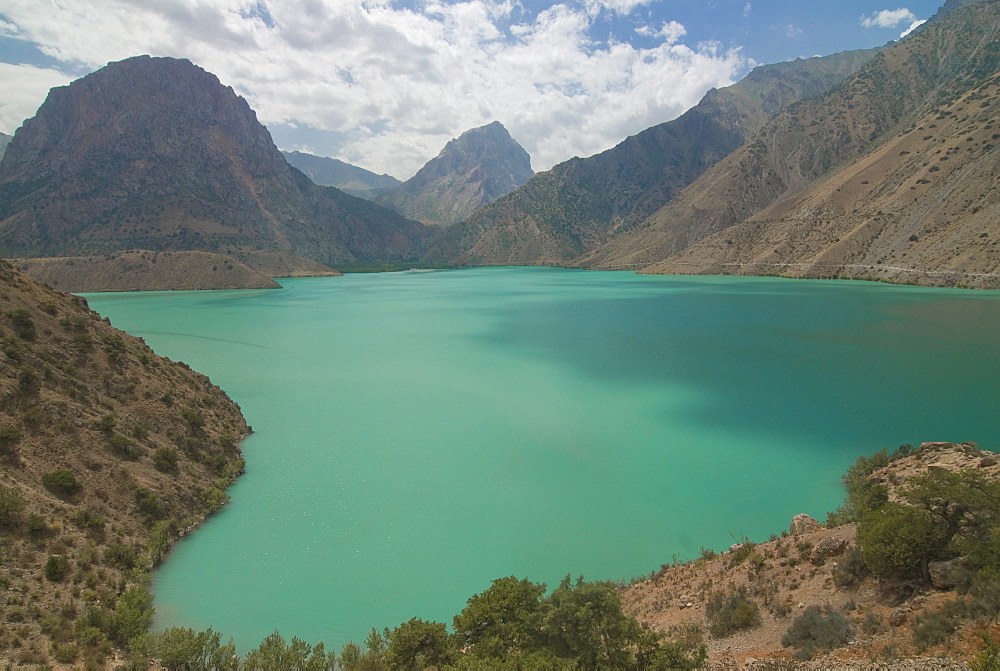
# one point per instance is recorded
(344, 176)
(107, 453)
(472, 170)
(4, 141)
(581, 204)
(890, 175)
(155, 153)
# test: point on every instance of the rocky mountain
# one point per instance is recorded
(155, 153)
(108, 453)
(344, 176)
(891, 175)
(4, 141)
(582, 203)
(472, 170)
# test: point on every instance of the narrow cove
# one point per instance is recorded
(419, 434)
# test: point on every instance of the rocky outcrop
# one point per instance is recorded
(4, 141)
(471, 171)
(155, 153)
(802, 524)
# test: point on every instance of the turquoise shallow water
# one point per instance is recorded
(419, 434)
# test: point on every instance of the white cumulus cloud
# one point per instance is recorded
(393, 84)
(24, 89)
(888, 18)
(913, 26)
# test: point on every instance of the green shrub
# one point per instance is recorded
(150, 506)
(21, 323)
(817, 630)
(124, 448)
(12, 504)
(851, 570)
(56, 567)
(61, 482)
(897, 541)
(120, 556)
(729, 613)
(165, 459)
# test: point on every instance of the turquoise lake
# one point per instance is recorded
(419, 434)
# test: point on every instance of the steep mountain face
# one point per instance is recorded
(344, 176)
(155, 153)
(890, 175)
(472, 170)
(4, 141)
(582, 203)
(107, 453)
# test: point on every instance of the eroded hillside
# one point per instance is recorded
(107, 453)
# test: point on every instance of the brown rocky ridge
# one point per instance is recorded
(889, 176)
(108, 452)
(796, 570)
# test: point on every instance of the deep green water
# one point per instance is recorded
(419, 434)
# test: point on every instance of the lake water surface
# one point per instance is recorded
(419, 434)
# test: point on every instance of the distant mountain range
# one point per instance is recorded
(471, 171)
(344, 176)
(877, 164)
(156, 154)
(4, 141)
(865, 164)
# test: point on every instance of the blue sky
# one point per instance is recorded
(385, 84)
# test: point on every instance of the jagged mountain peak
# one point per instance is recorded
(472, 170)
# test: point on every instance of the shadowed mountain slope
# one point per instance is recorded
(344, 176)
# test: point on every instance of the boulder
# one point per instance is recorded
(947, 574)
(828, 547)
(986, 462)
(803, 523)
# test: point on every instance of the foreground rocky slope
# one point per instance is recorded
(471, 171)
(819, 567)
(156, 154)
(107, 453)
(888, 176)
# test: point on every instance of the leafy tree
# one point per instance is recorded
(132, 615)
(274, 653)
(897, 541)
(417, 644)
(966, 504)
(584, 620)
(503, 620)
(183, 648)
